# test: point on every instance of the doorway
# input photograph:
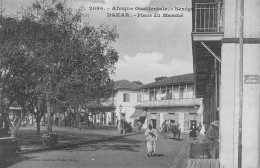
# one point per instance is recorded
(193, 121)
(154, 123)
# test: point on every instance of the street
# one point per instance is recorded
(127, 151)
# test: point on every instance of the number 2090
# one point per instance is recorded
(96, 8)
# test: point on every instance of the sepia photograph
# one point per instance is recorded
(129, 84)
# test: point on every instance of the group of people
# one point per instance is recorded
(195, 130)
(211, 138)
(170, 127)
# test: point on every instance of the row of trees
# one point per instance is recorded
(50, 56)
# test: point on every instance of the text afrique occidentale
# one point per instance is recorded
(177, 8)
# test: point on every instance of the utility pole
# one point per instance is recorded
(241, 89)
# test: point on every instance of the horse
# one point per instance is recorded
(176, 130)
(164, 130)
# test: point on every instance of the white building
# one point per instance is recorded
(121, 105)
(171, 99)
(126, 97)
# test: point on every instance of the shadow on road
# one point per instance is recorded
(113, 144)
(6, 162)
(176, 139)
(158, 155)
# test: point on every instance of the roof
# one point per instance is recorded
(186, 78)
(125, 84)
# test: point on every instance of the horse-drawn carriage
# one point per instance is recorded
(171, 128)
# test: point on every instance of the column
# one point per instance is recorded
(230, 88)
(229, 106)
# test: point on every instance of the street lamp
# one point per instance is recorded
(120, 108)
(121, 119)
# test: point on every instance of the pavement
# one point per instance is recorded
(182, 159)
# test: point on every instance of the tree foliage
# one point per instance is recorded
(51, 50)
(138, 83)
(160, 78)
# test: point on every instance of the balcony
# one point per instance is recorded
(209, 17)
(208, 21)
(171, 103)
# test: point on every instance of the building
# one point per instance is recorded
(206, 44)
(121, 105)
(171, 99)
(226, 46)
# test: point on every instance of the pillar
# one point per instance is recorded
(229, 103)
(230, 86)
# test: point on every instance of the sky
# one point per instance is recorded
(148, 47)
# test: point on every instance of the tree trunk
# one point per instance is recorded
(6, 123)
(15, 129)
(79, 123)
(49, 121)
(72, 122)
(38, 122)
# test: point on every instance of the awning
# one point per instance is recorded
(138, 113)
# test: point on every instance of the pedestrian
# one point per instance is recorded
(193, 130)
(139, 124)
(56, 120)
(203, 131)
(151, 137)
(212, 135)
(199, 128)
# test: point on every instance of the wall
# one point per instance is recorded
(230, 88)
(127, 107)
(183, 115)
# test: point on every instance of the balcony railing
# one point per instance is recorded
(209, 17)
(172, 103)
(171, 95)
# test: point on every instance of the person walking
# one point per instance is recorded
(203, 131)
(151, 137)
(193, 130)
(199, 129)
(139, 125)
(212, 135)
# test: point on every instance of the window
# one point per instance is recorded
(126, 97)
(172, 117)
(153, 95)
(172, 121)
(139, 98)
(169, 94)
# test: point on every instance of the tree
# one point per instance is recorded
(19, 69)
(63, 60)
(160, 78)
(138, 83)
